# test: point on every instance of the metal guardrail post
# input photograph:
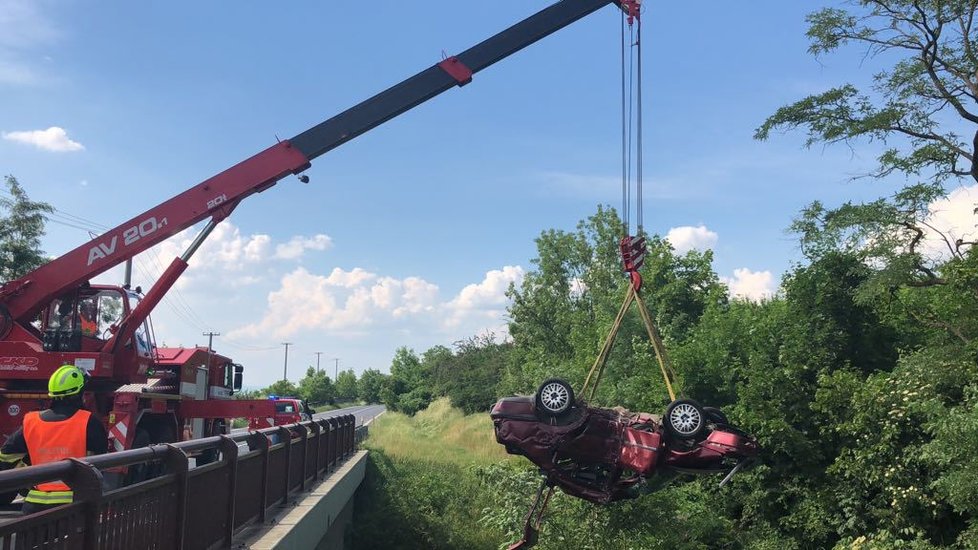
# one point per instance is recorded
(328, 431)
(229, 452)
(259, 441)
(178, 463)
(352, 434)
(317, 431)
(286, 437)
(334, 441)
(304, 438)
(86, 484)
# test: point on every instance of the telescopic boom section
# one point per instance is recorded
(217, 197)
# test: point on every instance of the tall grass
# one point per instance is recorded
(422, 488)
(440, 434)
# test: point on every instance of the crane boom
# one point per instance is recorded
(216, 197)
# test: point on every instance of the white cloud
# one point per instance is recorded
(954, 216)
(296, 247)
(350, 302)
(227, 256)
(491, 291)
(486, 299)
(349, 279)
(751, 285)
(344, 301)
(686, 237)
(52, 139)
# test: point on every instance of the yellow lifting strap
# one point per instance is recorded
(660, 351)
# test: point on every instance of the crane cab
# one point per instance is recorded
(85, 320)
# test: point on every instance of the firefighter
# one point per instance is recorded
(87, 316)
(65, 430)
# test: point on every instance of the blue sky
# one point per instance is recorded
(409, 234)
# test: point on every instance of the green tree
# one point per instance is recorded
(470, 376)
(408, 388)
(346, 385)
(922, 106)
(565, 307)
(21, 229)
(369, 386)
(282, 388)
(316, 388)
(926, 96)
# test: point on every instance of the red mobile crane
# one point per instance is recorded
(53, 315)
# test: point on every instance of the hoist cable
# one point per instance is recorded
(638, 131)
(631, 118)
(624, 141)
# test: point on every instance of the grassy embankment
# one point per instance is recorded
(423, 487)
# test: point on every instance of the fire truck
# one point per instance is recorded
(288, 410)
(54, 315)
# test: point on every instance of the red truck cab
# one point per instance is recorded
(288, 410)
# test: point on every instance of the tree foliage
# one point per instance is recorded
(369, 385)
(922, 106)
(316, 388)
(346, 385)
(21, 229)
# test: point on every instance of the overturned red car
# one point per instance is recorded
(603, 455)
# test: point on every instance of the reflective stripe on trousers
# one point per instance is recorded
(49, 497)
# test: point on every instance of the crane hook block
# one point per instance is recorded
(632, 9)
(633, 252)
(457, 70)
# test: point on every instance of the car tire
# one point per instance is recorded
(685, 419)
(555, 397)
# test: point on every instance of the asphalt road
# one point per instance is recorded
(363, 413)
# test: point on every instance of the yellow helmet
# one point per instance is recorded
(67, 380)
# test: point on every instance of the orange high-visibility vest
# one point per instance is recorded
(54, 441)
(89, 327)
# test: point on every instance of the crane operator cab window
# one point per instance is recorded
(143, 335)
(62, 332)
(87, 315)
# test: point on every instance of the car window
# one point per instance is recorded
(284, 407)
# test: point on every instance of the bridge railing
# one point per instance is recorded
(178, 507)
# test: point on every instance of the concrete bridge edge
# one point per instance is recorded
(319, 518)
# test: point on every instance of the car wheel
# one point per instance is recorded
(555, 397)
(685, 418)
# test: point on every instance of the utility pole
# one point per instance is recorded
(336, 369)
(285, 373)
(210, 345)
(210, 339)
(318, 353)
